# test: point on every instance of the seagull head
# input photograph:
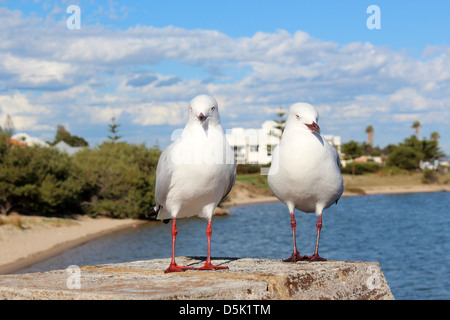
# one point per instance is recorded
(203, 110)
(303, 115)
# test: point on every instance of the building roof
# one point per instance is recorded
(64, 147)
(17, 142)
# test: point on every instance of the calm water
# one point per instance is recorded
(407, 234)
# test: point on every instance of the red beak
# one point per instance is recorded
(313, 127)
(201, 117)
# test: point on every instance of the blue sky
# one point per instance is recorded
(143, 61)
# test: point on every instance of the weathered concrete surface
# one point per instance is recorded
(246, 279)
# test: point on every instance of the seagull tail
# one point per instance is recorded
(153, 214)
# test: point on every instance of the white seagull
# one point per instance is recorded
(305, 172)
(195, 173)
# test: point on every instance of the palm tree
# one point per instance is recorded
(369, 131)
(435, 136)
(416, 126)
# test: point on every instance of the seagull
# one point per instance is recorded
(305, 172)
(195, 173)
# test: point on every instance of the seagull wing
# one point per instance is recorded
(164, 173)
(338, 162)
(231, 181)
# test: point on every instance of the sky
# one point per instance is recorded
(143, 61)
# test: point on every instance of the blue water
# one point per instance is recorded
(408, 234)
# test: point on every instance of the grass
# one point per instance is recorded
(357, 183)
(375, 180)
(256, 180)
(12, 219)
(27, 222)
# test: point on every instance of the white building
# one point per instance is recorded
(254, 146)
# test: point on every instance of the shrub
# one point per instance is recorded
(429, 176)
(248, 168)
(117, 179)
(361, 167)
(36, 179)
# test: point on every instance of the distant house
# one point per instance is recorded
(255, 146)
(66, 148)
(24, 139)
(17, 142)
(29, 140)
(376, 159)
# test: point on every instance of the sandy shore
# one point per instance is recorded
(40, 238)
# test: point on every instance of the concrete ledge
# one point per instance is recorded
(246, 279)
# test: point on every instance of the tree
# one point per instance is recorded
(352, 150)
(416, 126)
(369, 131)
(280, 121)
(113, 128)
(435, 136)
(63, 135)
(8, 127)
(428, 148)
(405, 157)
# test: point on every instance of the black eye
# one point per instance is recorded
(297, 116)
(213, 108)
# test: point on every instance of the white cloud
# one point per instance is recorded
(103, 114)
(18, 103)
(408, 99)
(172, 113)
(36, 72)
(95, 73)
(24, 114)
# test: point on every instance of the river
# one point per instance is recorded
(408, 234)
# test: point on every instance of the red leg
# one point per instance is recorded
(208, 265)
(315, 256)
(295, 255)
(173, 266)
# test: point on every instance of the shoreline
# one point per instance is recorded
(85, 229)
(361, 192)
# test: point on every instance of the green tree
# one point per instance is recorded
(114, 129)
(416, 127)
(117, 179)
(405, 157)
(280, 120)
(428, 148)
(8, 127)
(369, 131)
(435, 137)
(36, 179)
(63, 135)
(352, 150)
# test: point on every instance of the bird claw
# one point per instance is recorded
(315, 257)
(176, 268)
(296, 257)
(209, 266)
